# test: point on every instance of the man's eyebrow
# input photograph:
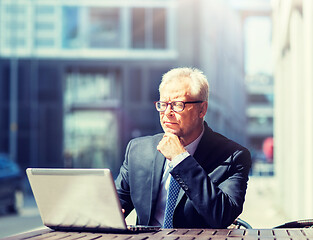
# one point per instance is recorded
(174, 100)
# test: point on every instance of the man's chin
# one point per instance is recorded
(171, 130)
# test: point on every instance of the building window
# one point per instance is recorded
(70, 27)
(138, 28)
(91, 27)
(41, 26)
(104, 28)
(148, 27)
(15, 8)
(15, 42)
(261, 121)
(91, 126)
(86, 27)
(44, 25)
(14, 25)
(89, 87)
(44, 42)
(159, 28)
(91, 139)
(266, 99)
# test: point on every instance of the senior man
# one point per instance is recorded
(189, 176)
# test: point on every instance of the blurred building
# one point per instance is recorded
(256, 19)
(260, 116)
(293, 128)
(78, 78)
(219, 51)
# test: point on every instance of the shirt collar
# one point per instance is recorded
(191, 148)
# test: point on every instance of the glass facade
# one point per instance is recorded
(91, 139)
(138, 27)
(13, 26)
(70, 31)
(30, 26)
(259, 98)
(92, 120)
(159, 28)
(90, 130)
(88, 87)
(44, 26)
(104, 28)
(149, 28)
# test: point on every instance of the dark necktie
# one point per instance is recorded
(172, 195)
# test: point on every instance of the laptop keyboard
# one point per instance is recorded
(139, 228)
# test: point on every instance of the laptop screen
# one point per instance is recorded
(76, 198)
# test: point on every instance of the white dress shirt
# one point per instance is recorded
(168, 166)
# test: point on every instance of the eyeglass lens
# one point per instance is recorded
(176, 106)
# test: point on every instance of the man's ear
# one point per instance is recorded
(203, 109)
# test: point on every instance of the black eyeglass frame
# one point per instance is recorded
(171, 103)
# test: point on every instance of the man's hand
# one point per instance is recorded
(170, 146)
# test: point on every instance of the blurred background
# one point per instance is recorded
(78, 80)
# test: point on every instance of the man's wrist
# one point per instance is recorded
(178, 159)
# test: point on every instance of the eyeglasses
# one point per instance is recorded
(177, 106)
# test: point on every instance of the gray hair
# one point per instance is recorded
(198, 82)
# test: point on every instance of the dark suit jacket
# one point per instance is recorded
(213, 181)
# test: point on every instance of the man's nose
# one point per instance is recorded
(168, 109)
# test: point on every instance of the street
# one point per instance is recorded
(29, 219)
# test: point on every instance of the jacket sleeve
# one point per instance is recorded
(123, 186)
(217, 196)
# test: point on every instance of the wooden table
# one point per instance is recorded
(174, 234)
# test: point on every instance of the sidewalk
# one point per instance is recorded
(28, 219)
(261, 208)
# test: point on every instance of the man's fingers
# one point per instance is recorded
(170, 146)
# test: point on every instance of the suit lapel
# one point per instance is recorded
(200, 154)
(157, 173)
(204, 148)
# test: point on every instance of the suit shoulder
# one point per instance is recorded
(146, 140)
(220, 141)
(142, 147)
(218, 147)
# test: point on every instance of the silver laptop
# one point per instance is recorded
(79, 200)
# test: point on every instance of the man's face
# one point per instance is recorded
(186, 124)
